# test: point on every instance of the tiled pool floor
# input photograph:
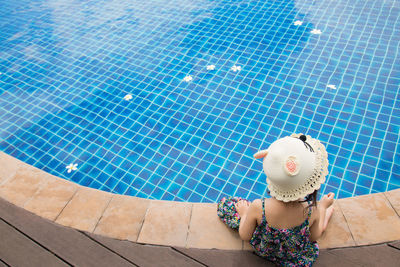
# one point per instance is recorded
(173, 106)
(361, 220)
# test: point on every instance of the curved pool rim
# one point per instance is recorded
(142, 220)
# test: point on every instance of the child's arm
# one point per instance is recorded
(248, 214)
(323, 214)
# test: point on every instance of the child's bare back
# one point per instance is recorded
(285, 215)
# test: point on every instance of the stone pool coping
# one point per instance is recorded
(361, 220)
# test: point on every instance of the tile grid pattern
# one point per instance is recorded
(63, 87)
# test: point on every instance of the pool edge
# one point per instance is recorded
(361, 220)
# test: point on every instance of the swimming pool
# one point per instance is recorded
(170, 99)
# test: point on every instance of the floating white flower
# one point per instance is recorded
(72, 167)
(188, 78)
(316, 31)
(298, 23)
(211, 67)
(128, 97)
(236, 68)
(331, 86)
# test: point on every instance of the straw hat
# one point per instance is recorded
(295, 166)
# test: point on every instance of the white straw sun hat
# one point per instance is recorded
(295, 166)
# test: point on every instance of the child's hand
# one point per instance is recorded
(242, 206)
(327, 200)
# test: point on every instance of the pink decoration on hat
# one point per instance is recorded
(292, 166)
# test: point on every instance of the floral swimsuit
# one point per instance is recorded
(285, 247)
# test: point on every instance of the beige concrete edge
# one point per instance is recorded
(107, 198)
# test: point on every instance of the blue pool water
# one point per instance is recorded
(170, 99)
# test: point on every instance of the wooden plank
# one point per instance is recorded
(328, 259)
(18, 250)
(67, 243)
(145, 255)
(213, 257)
(379, 255)
(395, 244)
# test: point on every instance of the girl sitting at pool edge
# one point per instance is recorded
(284, 228)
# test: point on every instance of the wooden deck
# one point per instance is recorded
(29, 240)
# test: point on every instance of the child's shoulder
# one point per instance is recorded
(256, 210)
(256, 206)
(268, 202)
(257, 203)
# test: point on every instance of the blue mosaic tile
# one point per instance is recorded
(344, 194)
(175, 107)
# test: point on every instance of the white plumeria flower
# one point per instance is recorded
(331, 86)
(72, 167)
(211, 67)
(188, 78)
(128, 97)
(316, 31)
(298, 23)
(236, 68)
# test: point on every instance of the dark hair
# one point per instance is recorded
(311, 199)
